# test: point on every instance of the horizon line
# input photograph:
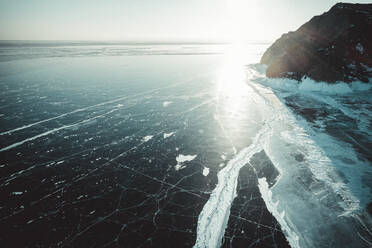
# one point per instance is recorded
(137, 41)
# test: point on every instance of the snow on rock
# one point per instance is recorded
(360, 48)
(317, 48)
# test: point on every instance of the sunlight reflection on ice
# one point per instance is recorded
(231, 82)
(233, 94)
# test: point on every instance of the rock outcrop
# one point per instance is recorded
(335, 46)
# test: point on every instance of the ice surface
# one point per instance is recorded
(95, 108)
(310, 164)
(308, 84)
(327, 179)
(78, 141)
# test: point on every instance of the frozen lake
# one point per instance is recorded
(177, 145)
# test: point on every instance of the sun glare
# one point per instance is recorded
(231, 82)
(231, 86)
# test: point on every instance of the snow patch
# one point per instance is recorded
(182, 159)
(147, 138)
(205, 171)
(166, 103)
(167, 135)
(17, 193)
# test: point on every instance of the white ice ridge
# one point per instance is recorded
(308, 85)
(213, 218)
(272, 206)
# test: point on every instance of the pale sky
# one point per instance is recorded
(155, 20)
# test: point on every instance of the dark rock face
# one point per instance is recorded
(335, 46)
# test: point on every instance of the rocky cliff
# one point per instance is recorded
(335, 46)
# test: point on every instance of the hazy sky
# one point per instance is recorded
(155, 19)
